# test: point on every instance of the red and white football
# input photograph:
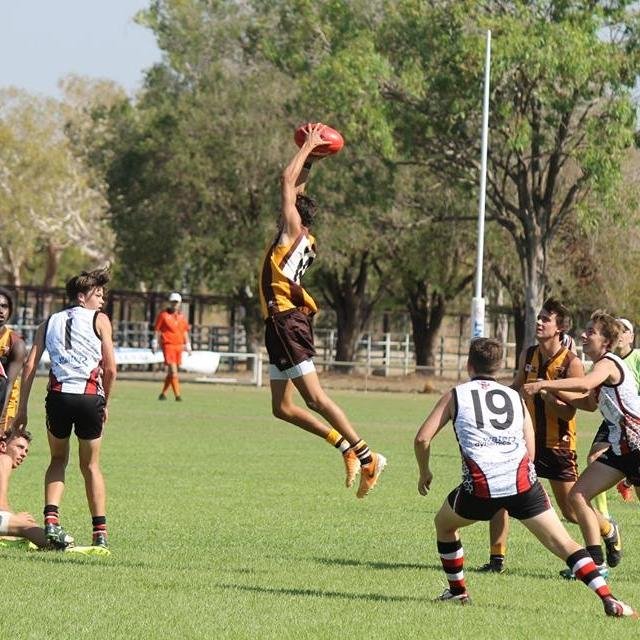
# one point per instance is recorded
(334, 139)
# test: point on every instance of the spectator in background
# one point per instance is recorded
(172, 336)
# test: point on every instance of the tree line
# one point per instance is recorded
(179, 185)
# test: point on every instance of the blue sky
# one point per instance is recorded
(44, 40)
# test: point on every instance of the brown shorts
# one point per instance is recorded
(288, 337)
(556, 464)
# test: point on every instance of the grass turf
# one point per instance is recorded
(226, 523)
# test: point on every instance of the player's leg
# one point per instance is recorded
(597, 477)
(599, 445)
(89, 427)
(561, 490)
(174, 379)
(23, 525)
(498, 534)
(448, 523)
(89, 459)
(60, 412)
(54, 481)
(546, 526)
(284, 408)
(372, 464)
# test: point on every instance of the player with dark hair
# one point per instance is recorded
(287, 309)
(83, 369)
(554, 421)
(495, 435)
(610, 387)
(12, 354)
(14, 447)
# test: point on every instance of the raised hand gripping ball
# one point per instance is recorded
(334, 139)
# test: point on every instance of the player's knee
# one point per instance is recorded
(577, 498)
(281, 411)
(89, 468)
(318, 402)
(568, 513)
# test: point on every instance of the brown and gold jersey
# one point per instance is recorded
(551, 431)
(282, 270)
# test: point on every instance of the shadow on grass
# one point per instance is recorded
(319, 593)
(348, 562)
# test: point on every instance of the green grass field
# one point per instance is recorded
(225, 523)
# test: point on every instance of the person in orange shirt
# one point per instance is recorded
(172, 335)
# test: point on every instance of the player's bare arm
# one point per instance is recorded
(560, 406)
(103, 326)
(521, 376)
(28, 374)
(529, 434)
(437, 419)
(603, 371)
(18, 353)
(293, 181)
(5, 473)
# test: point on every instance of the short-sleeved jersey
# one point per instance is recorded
(620, 407)
(489, 426)
(172, 326)
(552, 432)
(282, 270)
(75, 350)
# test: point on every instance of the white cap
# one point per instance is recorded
(626, 324)
(175, 297)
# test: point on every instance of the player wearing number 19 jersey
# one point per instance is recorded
(83, 370)
(496, 440)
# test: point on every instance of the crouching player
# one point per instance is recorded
(14, 447)
(496, 439)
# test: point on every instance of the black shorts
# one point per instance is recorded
(520, 506)
(288, 337)
(628, 464)
(602, 434)
(83, 411)
(556, 464)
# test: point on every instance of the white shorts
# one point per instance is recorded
(4, 522)
(296, 371)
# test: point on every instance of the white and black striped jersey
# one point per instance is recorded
(489, 425)
(75, 350)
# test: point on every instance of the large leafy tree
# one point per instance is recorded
(562, 117)
(49, 200)
(560, 123)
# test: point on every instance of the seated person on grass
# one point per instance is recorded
(14, 447)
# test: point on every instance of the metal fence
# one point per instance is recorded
(387, 354)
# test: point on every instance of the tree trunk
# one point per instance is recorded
(426, 315)
(51, 267)
(347, 294)
(535, 281)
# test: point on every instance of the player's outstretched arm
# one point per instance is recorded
(28, 374)
(438, 418)
(604, 370)
(562, 403)
(294, 178)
